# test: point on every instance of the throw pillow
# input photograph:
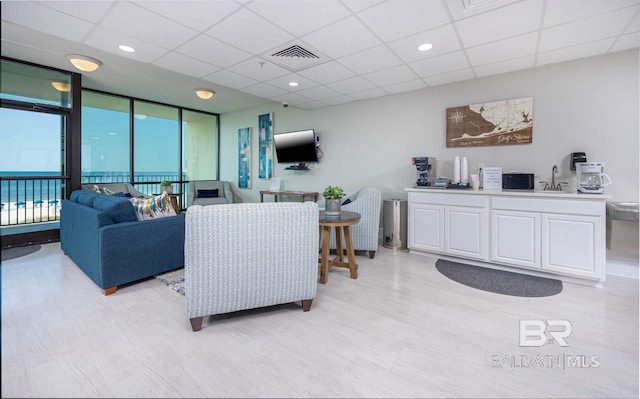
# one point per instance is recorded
(154, 207)
(102, 190)
(347, 201)
(97, 189)
(208, 193)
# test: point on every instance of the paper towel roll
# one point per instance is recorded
(464, 171)
(456, 170)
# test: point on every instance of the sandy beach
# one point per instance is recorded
(29, 212)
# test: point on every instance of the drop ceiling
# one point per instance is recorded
(360, 49)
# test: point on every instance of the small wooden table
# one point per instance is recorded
(299, 194)
(344, 220)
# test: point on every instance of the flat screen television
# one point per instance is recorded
(298, 147)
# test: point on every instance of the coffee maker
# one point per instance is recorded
(590, 177)
(426, 169)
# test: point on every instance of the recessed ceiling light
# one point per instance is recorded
(140, 116)
(293, 84)
(425, 47)
(126, 48)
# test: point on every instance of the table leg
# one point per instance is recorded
(324, 267)
(353, 266)
(339, 250)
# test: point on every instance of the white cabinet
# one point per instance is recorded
(426, 227)
(560, 234)
(571, 244)
(515, 238)
(449, 224)
(465, 232)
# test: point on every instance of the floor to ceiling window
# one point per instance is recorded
(36, 106)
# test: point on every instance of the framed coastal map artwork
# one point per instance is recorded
(494, 123)
(265, 146)
(244, 157)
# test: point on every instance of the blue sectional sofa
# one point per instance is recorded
(102, 235)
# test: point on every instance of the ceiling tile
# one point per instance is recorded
(504, 66)
(283, 82)
(634, 25)
(88, 10)
(359, 5)
(561, 11)
(574, 52)
(342, 38)
(371, 93)
(181, 63)
(259, 69)
(264, 90)
(212, 51)
(450, 77)
(409, 16)
(371, 60)
(459, 9)
(397, 74)
(442, 64)
(327, 73)
(625, 42)
(126, 17)
(351, 85)
(43, 19)
(443, 39)
(585, 30)
(230, 79)
(108, 40)
(199, 15)
(319, 93)
(291, 98)
(504, 49)
(299, 17)
(247, 31)
(337, 100)
(514, 19)
(405, 86)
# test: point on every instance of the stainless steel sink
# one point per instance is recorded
(623, 211)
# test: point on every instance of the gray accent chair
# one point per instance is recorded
(249, 255)
(364, 234)
(126, 188)
(225, 195)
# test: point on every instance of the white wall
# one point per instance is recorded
(589, 105)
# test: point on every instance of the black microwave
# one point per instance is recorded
(517, 181)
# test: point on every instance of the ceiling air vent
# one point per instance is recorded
(296, 57)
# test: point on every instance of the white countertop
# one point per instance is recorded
(513, 193)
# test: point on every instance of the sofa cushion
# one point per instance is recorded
(119, 208)
(208, 193)
(85, 198)
(153, 208)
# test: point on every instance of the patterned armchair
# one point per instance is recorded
(364, 235)
(249, 255)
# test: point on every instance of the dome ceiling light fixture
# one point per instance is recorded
(204, 94)
(84, 63)
(61, 86)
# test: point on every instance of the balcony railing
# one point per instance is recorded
(38, 199)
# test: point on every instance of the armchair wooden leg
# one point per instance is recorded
(196, 323)
(306, 304)
(110, 290)
(372, 254)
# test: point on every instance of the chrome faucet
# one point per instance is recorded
(553, 186)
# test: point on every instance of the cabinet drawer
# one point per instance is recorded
(461, 199)
(594, 208)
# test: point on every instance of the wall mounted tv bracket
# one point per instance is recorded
(299, 166)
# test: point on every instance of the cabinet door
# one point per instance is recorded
(465, 232)
(426, 227)
(573, 244)
(515, 238)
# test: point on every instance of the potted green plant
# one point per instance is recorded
(165, 185)
(332, 196)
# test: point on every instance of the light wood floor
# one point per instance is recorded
(400, 330)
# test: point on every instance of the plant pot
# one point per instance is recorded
(332, 207)
(168, 189)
